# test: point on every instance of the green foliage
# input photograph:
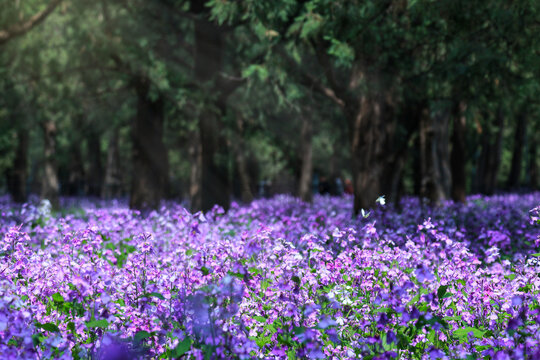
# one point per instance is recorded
(78, 68)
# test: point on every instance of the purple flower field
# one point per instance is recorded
(277, 279)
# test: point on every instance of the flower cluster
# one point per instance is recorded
(278, 279)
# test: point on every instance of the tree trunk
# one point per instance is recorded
(372, 131)
(241, 166)
(490, 156)
(214, 187)
(150, 159)
(533, 165)
(75, 181)
(306, 152)
(428, 184)
(517, 153)
(214, 173)
(458, 157)
(434, 167)
(50, 185)
(17, 174)
(112, 183)
(195, 180)
(442, 149)
(95, 170)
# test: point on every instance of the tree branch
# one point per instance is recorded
(311, 81)
(324, 61)
(25, 26)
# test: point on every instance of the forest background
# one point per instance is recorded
(203, 100)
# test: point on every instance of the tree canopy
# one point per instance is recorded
(209, 101)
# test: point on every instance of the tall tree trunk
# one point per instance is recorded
(150, 159)
(442, 149)
(50, 184)
(434, 166)
(75, 181)
(112, 182)
(215, 187)
(428, 183)
(95, 170)
(195, 180)
(517, 153)
(458, 157)
(306, 152)
(533, 165)
(490, 156)
(372, 131)
(17, 174)
(241, 165)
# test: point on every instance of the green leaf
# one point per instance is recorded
(265, 284)
(58, 298)
(236, 275)
(103, 324)
(255, 270)
(48, 327)
(312, 25)
(182, 347)
(205, 270)
(442, 291)
(342, 51)
(141, 335)
(155, 294)
(414, 299)
(262, 340)
(291, 355)
(463, 333)
(260, 318)
(255, 69)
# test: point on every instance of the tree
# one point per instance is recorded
(20, 28)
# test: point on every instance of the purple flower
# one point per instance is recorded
(423, 273)
(383, 319)
(516, 300)
(114, 349)
(326, 321)
(391, 337)
(501, 355)
(436, 354)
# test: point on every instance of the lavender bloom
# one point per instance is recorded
(243, 282)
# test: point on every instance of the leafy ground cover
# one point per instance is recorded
(276, 280)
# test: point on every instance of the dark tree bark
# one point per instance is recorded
(370, 117)
(75, 180)
(215, 187)
(434, 168)
(18, 173)
(306, 153)
(533, 165)
(50, 185)
(150, 159)
(458, 156)
(195, 154)
(112, 183)
(372, 132)
(95, 170)
(490, 156)
(514, 177)
(241, 164)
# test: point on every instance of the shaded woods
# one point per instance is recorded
(216, 101)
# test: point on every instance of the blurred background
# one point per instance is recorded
(215, 101)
